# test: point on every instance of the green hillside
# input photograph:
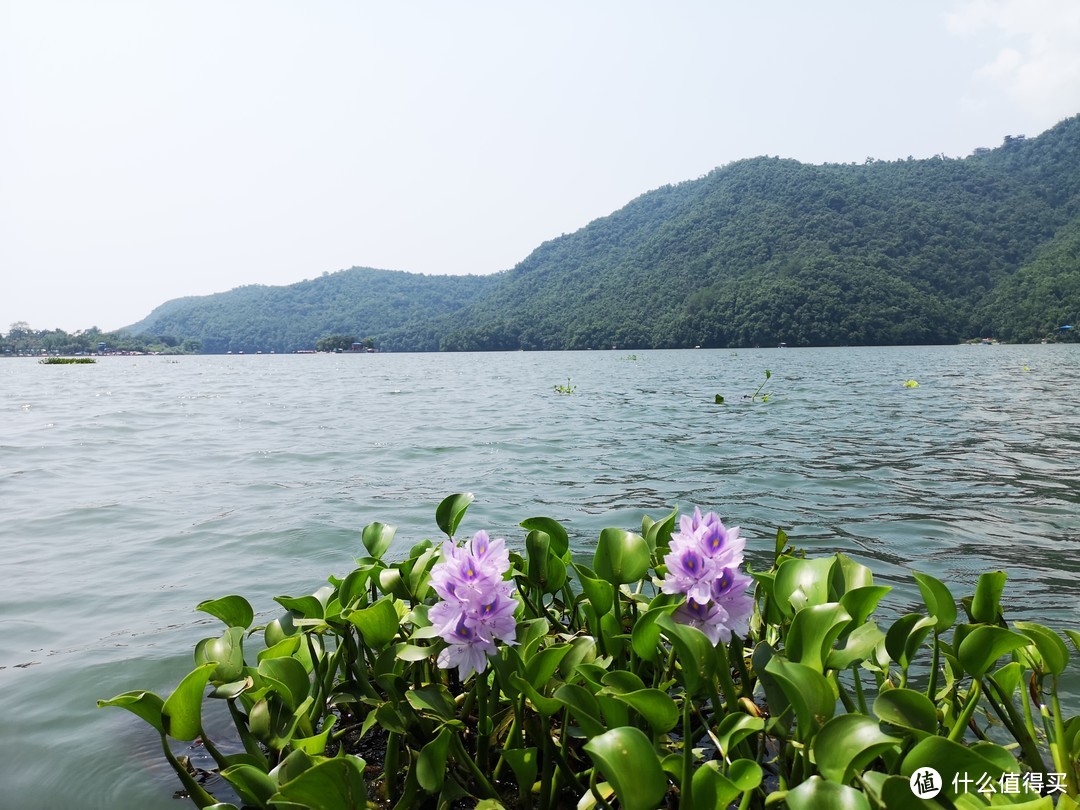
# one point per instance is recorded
(758, 252)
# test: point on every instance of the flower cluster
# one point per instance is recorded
(703, 565)
(478, 606)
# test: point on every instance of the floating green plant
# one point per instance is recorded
(911, 384)
(659, 675)
(565, 389)
(66, 361)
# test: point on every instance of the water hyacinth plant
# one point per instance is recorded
(664, 674)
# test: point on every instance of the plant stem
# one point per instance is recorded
(960, 726)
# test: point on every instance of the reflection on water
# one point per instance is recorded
(137, 487)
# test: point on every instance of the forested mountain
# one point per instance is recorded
(359, 301)
(758, 252)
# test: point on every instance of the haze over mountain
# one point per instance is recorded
(757, 252)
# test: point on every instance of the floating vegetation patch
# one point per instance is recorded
(490, 674)
(565, 389)
(66, 361)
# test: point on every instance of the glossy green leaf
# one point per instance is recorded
(896, 794)
(861, 603)
(584, 707)
(859, 646)
(431, 763)
(693, 650)
(808, 691)
(657, 534)
(378, 623)
(812, 633)
(315, 745)
(799, 583)
(711, 788)
(279, 629)
(523, 762)
(288, 678)
(541, 667)
(847, 743)
(1051, 647)
(903, 639)
(984, 645)
(627, 760)
(181, 713)
(547, 706)
(333, 784)
(986, 603)
(848, 575)
(645, 637)
(951, 760)
(451, 510)
(308, 607)
(582, 651)
(939, 601)
(560, 541)
(377, 538)
(621, 557)
(434, 699)
(234, 610)
(227, 651)
(254, 785)
(146, 705)
(734, 728)
(657, 707)
(908, 709)
(285, 648)
(817, 794)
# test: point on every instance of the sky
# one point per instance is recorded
(153, 150)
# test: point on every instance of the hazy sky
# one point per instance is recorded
(155, 149)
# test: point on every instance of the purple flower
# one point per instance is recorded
(478, 604)
(689, 572)
(703, 566)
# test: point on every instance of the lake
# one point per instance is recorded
(137, 487)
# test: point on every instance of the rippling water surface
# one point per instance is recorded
(133, 489)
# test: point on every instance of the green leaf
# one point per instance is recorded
(939, 601)
(288, 678)
(333, 784)
(524, 764)
(801, 582)
(735, 728)
(809, 693)
(817, 794)
(712, 789)
(449, 513)
(984, 645)
(378, 623)
(1055, 654)
(861, 602)
(542, 666)
(951, 759)
(645, 637)
(309, 607)
(847, 743)
(986, 603)
(560, 541)
(621, 557)
(848, 575)
(628, 761)
(227, 652)
(599, 592)
(181, 713)
(377, 538)
(234, 610)
(903, 639)
(908, 709)
(146, 705)
(583, 706)
(859, 646)
(431, 764)
(693, 650)
(253, 785)
(657, 707)
(812, 633)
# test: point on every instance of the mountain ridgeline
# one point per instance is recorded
(759, 252)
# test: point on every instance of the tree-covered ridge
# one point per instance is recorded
(359, 301)
(758, 252)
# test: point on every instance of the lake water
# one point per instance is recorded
(133, 489)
